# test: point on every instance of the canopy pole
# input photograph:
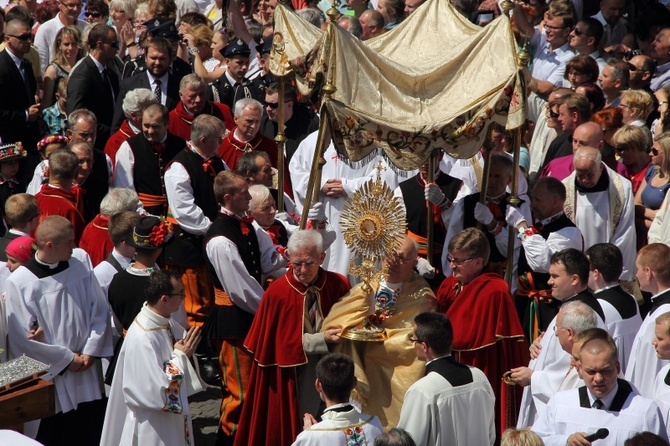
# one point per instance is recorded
(513, 201)
(281, 140)
(429, 212)
(314, 186)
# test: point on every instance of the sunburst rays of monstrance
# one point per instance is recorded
(373, 225)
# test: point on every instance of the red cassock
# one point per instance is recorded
(270, 411)
(181, 121)
(95, 239)
(232, 149)
(119, 137)
(487, 334)
(56, 201)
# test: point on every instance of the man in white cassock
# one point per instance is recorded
(341, 423)
(148, 402)
(622, 312)
(662, 383)
(59, 293)
(653, 273)
(604, 402)
(549, 364)
(338, 181)
(454, 403)
(600, 203)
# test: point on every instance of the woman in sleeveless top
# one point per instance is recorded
(67, 51)
(656, 183)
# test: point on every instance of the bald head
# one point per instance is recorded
(588, 134)
(588, 166)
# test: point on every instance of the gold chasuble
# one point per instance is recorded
(385, 370)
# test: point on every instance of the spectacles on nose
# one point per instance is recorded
(621, 149)
(181, 294)
(413, 339)
(114, 44)
(308, 264)
(553, 28)
(552, 113)
(95, 15)
(458, 262)
(577, 31)
(24, 37)
(272, 105)
(653, 151)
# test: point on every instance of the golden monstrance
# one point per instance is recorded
(373, 225)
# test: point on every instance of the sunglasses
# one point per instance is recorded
(552, 113)
(578, 32)
(24, 37)
(95, 15)
(653, 151)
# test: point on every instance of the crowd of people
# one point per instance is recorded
(146, 255)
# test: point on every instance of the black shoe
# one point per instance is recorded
(209, 370)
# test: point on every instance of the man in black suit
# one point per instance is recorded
(94, 84)
(19, 111)
(156, 78)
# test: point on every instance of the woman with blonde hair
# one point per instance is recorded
(632, 145)
(636, 105)
(67, 51)
(207, 63)
(655, 185)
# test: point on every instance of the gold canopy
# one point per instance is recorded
(434, 82)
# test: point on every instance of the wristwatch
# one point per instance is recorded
(193, 50)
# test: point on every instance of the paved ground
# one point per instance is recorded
(205, 413)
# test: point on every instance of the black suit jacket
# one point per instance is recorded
(15, 99)
(141, 80)
(86, 90)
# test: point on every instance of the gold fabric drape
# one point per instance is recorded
(385, 370)
(434, 81)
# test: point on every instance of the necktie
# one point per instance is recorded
(157, 91)
(108, 84)
(24, 74)
(597, 404)
(311, 305)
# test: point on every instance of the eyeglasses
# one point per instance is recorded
(71, 5)
(114, 44)
(180, 294)
(274, 105)
(308, 264)
(632, 67)
(653, 151)
(578, 32)
(554, 28)
(458, 262)
(621, 149)
(399, 260)
(23, 37)
(95, 15)
(413, 339)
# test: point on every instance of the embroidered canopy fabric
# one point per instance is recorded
(434, 81)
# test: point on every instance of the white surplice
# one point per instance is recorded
(148, 403)
(662, 395)
(563, 416)
(341, 428)
(643, 364)
(594, 216)
(550, 369)
(71, 309)
(436, 413)
(623, 331)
